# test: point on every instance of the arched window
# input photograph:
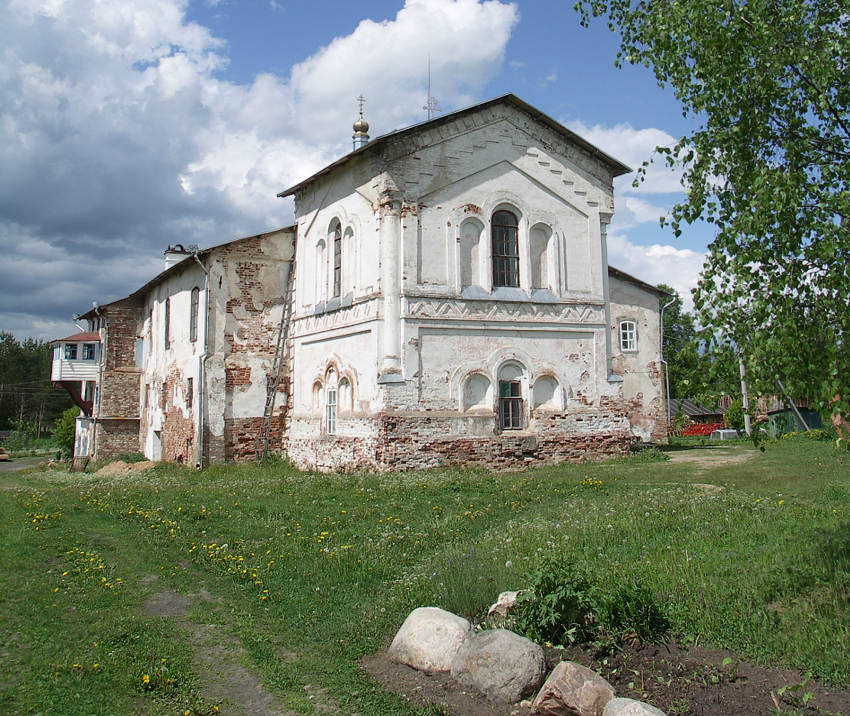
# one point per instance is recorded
(510, 397)
(504, 227)
(335, 242)
(166, 332)
(193, 314)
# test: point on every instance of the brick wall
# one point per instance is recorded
(119, 393)
(417, 442)
(114, 437)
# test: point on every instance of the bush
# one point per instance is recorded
(65, 429)
(735, 415)
(558, 605)
(563, 606)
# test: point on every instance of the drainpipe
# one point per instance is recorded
(202, 360)
(666, 368)
(98, 391)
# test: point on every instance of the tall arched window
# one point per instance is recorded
(331, 402)
(470, 233)
(193, 314)
(505, 249)
(511, 409)
(335, 239)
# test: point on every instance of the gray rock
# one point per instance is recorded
(573, 690)
(630, 707)
(429, 639)
(502, 665)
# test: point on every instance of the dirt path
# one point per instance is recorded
(219, 659)
(710, 457)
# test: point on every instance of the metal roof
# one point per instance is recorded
(617, 167)
(85, 337)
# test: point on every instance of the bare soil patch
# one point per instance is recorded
(693, 682)
(220, 661)
(707, 458)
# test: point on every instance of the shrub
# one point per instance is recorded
(558, 605)
(734, 416)
(564, 606)
(64, 431)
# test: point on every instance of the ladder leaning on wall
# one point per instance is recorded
(281, 355)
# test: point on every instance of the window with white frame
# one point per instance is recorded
(89, 351)
(70, 351)
(330, 411)
(193, 314)
(628, 336)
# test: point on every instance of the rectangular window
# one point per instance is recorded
(167, 323)
(190, 391)
(193, 315)
(162, 396)
(510, 404)
(70, 351)
(330, 411)
(628, 336)
(89, 351)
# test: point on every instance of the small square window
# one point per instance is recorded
(70, 351)
(628, 336)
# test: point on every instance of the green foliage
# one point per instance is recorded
(734, 417)
(26, 393)
(64, 431)
(768, 166)
(564, 605)
(466, 581)
(558, 606)
(630, 611)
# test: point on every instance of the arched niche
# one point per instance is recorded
(546, 393)
(477, 393)
(539, 250)
(470, 252)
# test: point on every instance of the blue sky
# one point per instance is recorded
(126, 127)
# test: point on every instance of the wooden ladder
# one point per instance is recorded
(281, 355)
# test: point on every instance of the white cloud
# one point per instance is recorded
(658, 263)
(117, 136)
(633, 147)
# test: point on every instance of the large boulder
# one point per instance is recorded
(573, 690)
(429, 639)
(630, 707)
(502, 665)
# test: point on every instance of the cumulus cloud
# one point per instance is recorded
(118, 135)
(658, 263)
(633, 147)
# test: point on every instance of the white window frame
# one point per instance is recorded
(628, 336)
(331, 411)
(71, 351)
(93, 348)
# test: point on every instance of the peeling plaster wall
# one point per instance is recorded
(425, 202)
(641, 370)
(248, 280)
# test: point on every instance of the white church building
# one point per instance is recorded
(443, 298)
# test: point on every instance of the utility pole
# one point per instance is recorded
(748, 428)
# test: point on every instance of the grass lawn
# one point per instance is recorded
(133, 594)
